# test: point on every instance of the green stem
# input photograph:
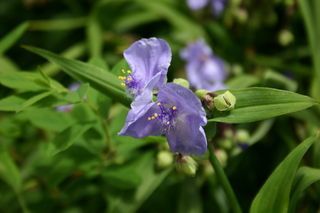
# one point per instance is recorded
(224, 181)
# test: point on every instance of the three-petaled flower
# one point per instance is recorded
(177, 113)
(204, 69)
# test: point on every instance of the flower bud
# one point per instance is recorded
(206, 98)
(164, 159)
(186, 165)
(242, 135)
(221, 156)
(181, 82)
(285, 37)
(225, 101)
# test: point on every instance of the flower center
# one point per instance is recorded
(130, 82)
(166, 116)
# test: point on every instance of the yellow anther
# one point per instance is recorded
(123, 84)
(155, 114)
(149, 118)
(123, 71)
(152, 117)
(128, 71)
(174, 107)
(129, 78)
(158, 103)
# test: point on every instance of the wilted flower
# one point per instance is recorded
(177, 114)
(217, 6)
(204, 69)
(149, 60)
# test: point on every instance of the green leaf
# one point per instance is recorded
(67, 137)
(94, 37)
(304, 178)
(34, 100)
(259, 103)
(242, 81)
(118, 176)
(274, 194)
(9, 171)
(11, 103)
(58, 24)
(29, 81)
(151, 180)
(12, 37)
(103, 81)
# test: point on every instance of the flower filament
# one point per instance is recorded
(129, 81)
(166, 116)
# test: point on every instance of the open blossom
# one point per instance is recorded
(177, 114)
(149, 60)
(217, 6)
(204, 69)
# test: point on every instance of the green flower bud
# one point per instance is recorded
(221, 156)
(285, 37)
(164, 159)
(186, 165)
(181, 82)
(242, 135)
(225, 101)
(201, 93)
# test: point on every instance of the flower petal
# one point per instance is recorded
(137, 124)
(197, 4)
(184, 99)
(188, 136)
(148, 58)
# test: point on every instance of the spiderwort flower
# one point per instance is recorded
(204, 69)
(177, 114)
(217, 6)
(149, 60)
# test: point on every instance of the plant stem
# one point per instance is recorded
(224, 181)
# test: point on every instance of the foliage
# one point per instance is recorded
(59, 146)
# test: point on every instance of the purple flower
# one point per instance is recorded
(149, 60)
(217, 6)
(204, 69)
(177, 114)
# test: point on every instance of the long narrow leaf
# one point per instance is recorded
(99, 79)
(258, 103)
(275, 193)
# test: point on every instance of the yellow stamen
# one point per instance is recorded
(128, 71)
(158, 103)
(174, 107)
(123, 84)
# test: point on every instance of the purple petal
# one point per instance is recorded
(197, 4)
(188, 137)
(148, 58)
(137, 123)
(218, 6)
(198, 50)
(184, 99)
(204, 69)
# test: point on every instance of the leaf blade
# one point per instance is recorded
(259, 103)
(276, 199)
